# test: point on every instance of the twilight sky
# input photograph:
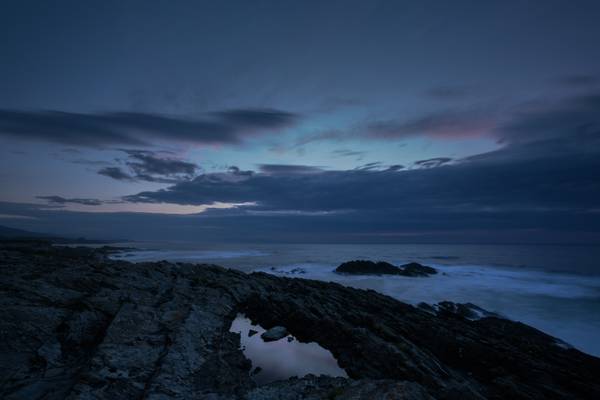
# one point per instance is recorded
(341, 121)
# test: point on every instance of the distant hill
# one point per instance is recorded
(13, 233)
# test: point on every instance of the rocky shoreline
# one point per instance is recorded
(76, 325)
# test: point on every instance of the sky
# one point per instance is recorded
(313, 121)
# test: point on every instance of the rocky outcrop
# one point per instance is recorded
(365, 267)
(75, 325)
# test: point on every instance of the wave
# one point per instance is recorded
(453, 281)
(560, 304)
(185, 255)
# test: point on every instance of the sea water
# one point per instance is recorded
(553, 288)
(283, 358)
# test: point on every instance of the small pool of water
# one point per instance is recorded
(283, 358)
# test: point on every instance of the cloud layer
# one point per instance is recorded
(545, 178)
(150, 166)
(141, 129)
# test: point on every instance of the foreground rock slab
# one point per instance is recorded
(75, 325)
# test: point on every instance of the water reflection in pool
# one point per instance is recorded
(283, 359)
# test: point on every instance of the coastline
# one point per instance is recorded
(76, 324)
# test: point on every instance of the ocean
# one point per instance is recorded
(554, 288)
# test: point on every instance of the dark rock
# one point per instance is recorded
(77, 326)
(290, 339)
(365, 267)
(252, 332)
(468, 311)
(275, 333)
(416, 269)
(326, 388)
(298, 271)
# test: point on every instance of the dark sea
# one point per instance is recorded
(551, 287)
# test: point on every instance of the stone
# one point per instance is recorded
(365, 267)
(77, 325)
(274, 334)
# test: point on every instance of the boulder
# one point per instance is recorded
(275, 333)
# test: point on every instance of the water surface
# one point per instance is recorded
(553, 288)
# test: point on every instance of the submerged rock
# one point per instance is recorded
(275, 333)
(365, 267)
(76, 325)
(468, 311)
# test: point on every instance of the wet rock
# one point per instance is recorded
(325, 388)
(468, 311)
(274, 334)
(252, 332)
(365, 267)
(75, 325)
(416, 269)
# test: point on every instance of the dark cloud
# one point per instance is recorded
(445, 125)
(233, 170)
(370, 166)
(576, 119)
(116, 173)
(378, 166)
(433, 162)
(349, 153)
(151, 166)
(368, 226)
(544, 178)
(288, 169)
(259, 119)
(84, 161)
(139, 129)
(147, 163)
(62, 200)
(482, 185)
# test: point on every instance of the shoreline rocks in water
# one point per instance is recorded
(274, 334)
(77, 325)
(469, 311)
(365, 267)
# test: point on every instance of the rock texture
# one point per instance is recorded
(365, 267)
(469, 311)
(275, 333)
(75, 325)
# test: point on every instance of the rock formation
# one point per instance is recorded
(365, 267)
(75, 325)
